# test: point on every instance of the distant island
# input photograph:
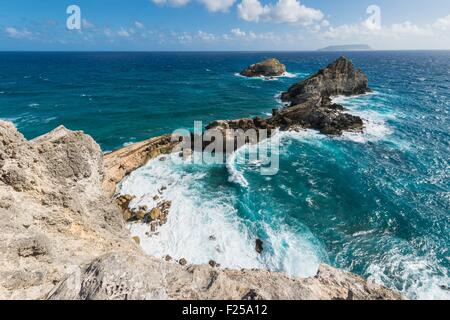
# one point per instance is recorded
(348, 47)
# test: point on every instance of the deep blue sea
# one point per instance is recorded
(375, 203)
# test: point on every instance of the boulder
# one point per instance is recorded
(259, 246)
(155, 213)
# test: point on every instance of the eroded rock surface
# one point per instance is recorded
(53, 213)
(121, 162)
(128, 276)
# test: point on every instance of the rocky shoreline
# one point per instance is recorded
(64, 235)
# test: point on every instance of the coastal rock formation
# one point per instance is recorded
(267, 68)
(128, 276)
(310, 105)
(53, 213)
(63, 238)
(339, 78)
(121, 162)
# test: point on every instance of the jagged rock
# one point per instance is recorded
(212, 263)
(136, 239)
(155, 213)
(182, 262)
(251, 295)
(121, 276)
(339, 78)
(140, 214)
(168, 258)
(267, 68)
(124, 201)
(119, 163)
(57, 217)
(259, 246)
(310, 105)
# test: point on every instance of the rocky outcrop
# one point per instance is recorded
(53, 213)
(130, 276)
(119, 163)
(63, 238)
(267, 68)
(339, 78)
(310, 105)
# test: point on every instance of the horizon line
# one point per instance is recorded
(217, 51)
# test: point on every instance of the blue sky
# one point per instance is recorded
(224, 24)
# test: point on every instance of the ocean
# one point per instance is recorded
(375, 203)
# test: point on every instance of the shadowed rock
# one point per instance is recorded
(339, 78)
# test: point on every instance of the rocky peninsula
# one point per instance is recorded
(64, 236)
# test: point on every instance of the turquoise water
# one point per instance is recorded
(375, 203)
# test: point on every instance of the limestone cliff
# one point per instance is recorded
(62, 237)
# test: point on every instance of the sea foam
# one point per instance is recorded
(204, 224)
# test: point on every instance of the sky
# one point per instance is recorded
(244, 25)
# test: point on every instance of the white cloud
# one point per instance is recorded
(205, 36)
(218, 5)
(87, 24)
(252, 10)
(442, 23)
(284, 11)
(123, 33)
(238, 32)
(139, 25)
(18, 34)
(173, 3)
(293, 11)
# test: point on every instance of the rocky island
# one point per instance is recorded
(310, 105)
(267, 68)
(64, 236)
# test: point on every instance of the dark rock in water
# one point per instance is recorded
(267, 68)
(317, 114)
(168, 258)
(212, 238)
(309, 106)
(339, 78)
(182, 261)
(259, 246)
(212, 263)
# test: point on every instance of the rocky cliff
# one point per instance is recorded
(62, 236)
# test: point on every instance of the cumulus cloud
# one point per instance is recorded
(123, 33)
(442, 23)
(139, 25)
(218, 5)
(205, 36)
(211, 5)
(284, 11)
(173, 3)
(252, 10)
(238, 32)
(18, 34)
(87, 24)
